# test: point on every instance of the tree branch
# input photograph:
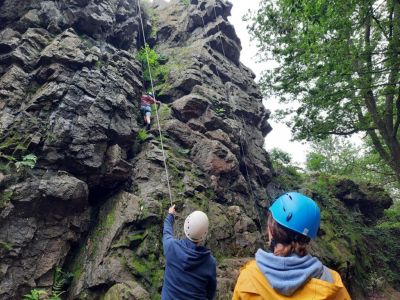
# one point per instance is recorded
(378, 171)
(378, 146)
(341, 133)
(393, 57)
(380, 26)
(368, 94)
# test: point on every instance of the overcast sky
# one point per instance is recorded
(280, 136)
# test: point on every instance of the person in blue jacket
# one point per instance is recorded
(190, 271)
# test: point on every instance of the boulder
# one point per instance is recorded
(127, 291)
(215, 158)
(371, 200)
(190, 106)
(348, 192)
(9, 40)
(374, 203)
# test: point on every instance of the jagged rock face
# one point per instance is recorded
(95, 201)
(68, 91)
(370, 200)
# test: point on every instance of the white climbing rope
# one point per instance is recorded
(158, 119)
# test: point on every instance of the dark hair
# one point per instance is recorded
(292, 241)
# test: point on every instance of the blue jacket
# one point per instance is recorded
(190, 271)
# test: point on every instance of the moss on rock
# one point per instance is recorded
(5, 197)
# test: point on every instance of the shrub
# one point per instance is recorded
(142, 135)
(151, 64)
(28, 161)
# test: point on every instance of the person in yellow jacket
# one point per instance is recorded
(288, 271)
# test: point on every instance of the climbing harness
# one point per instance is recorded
(157, 114)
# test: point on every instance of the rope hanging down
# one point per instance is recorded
(158, 119)
(249, 187)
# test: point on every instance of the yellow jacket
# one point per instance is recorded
(252, 285)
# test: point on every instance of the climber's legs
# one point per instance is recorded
(148, 120)
(146, 111)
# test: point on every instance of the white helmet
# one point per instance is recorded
(196, 226)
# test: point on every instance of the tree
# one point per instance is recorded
(333, 155)
(340, 60)
(337, 156)
(280, 156)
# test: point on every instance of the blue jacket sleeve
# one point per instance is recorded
(212, 288)
(168, 233)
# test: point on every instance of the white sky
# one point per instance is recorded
(281, 135)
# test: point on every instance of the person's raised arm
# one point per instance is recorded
(157, 102)
(168, 231)
(153, 100)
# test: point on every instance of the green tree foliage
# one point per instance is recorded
(152, 67)
(278, 155)
(288, 176)
(338, 156)
(340, 60)
(333, 155)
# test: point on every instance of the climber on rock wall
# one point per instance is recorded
(145, 108)
(190, 271)
(288, 271)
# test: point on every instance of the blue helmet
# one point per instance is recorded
(298, 213)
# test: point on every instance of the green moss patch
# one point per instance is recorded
(6, 246)
(5, 197)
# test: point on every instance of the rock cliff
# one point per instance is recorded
(94, 202)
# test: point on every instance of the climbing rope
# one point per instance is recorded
(158, 119)
(248, 187)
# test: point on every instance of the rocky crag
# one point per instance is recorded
(94, 202)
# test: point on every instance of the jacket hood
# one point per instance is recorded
(192, 254)
(287, 274)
